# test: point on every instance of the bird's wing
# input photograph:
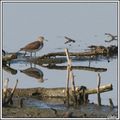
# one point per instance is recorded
(32, 46)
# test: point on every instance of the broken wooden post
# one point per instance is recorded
(71, 74)
(5, 89)
(8, 99)
(69, 64)
(98, 89)
(67, 84)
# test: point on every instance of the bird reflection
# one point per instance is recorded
(35, 73)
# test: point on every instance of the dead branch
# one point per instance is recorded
(98, 50)
(9, 57)
(112, 37)
(5, 89)
(71, 74)
(8, 99)
(77, 54)
(98, 89)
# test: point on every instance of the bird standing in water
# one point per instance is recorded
(34, 46)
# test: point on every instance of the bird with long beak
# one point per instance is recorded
(34, 46)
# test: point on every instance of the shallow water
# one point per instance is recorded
(52, 78)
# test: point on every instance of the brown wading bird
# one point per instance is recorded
(69, 40)
(34, 46)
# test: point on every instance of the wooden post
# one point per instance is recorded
(68, 57)
(9, 98)
(67, 84)
(13, 90)
(5, 90)
(72, 80)
(5, 86)
(71, 74)
(70, 67)
(98, 89)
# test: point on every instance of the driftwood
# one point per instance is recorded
(9, 57)
(98, 50)
(57, 92)
(98, 89)
(76, 54)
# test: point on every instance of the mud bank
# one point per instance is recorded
(35, 107)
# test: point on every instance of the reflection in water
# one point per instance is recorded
(58, 67)
(34, 72)
(9, 69)
(52, 71)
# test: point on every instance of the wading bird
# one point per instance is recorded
(34, 46)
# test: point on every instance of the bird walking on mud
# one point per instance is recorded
(34, 46)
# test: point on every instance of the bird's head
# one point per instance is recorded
(41, 39)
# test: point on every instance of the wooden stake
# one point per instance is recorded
(67, 85)
(68, 57)
(71, 73)
(9, 98)
(5, 86)
(5, 90)
(98, 89)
